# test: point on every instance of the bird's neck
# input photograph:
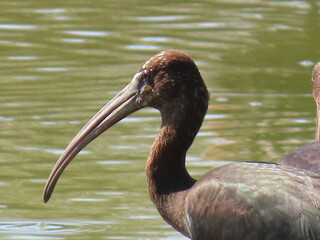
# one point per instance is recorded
(317, 99)
(168, 179)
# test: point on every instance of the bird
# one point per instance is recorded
(241, 200)
(307, 157)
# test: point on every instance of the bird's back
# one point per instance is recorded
(306, 157)
(250, 201)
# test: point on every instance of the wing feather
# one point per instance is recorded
(238, 201)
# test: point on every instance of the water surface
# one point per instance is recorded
(62, 60)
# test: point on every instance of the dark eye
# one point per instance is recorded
(144, 74)
(147, 77)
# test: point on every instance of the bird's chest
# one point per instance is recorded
(172, 209)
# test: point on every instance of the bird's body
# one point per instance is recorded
(307, 157)
(237, 201)
(246, 201)
(240, 201)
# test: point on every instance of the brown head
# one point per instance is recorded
(169, 82)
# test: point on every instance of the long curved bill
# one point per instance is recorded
(123, 104)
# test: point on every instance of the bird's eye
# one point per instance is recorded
(146, 77)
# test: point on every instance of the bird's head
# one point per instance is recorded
(169, 82)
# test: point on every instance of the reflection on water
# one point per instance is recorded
(49, 229)
(61, 61)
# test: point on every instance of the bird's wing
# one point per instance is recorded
(254, 201)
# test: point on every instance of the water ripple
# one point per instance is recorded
(74, 40)
(164, 18)
(22, 57)
(53, 151)
(142, 47)
(88, 33)
(58, 69)
(50, 10)
(17, 26)
(47, 229)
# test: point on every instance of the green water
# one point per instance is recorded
(62, 60)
